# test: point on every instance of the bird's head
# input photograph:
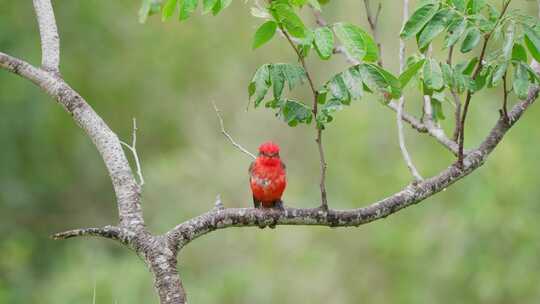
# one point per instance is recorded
(269, 149)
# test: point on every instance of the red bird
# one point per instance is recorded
(267, 177)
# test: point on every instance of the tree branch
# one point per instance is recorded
(126, 188)
(50, 41)
(215, 219)
(108, 232)
(401, 103)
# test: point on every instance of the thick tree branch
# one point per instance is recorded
(215, 219)
(126, 188)
(50, 41)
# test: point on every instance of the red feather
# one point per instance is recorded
(267, 176)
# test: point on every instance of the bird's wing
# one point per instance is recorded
(283, 166)
(250, 170)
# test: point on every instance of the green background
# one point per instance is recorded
(477, 242)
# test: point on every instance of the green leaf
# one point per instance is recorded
(434, 27)
(208, 5)
(378, 79)
(294, 74)
(456, 33)
(508, 41)
(418, 20)
(345, 86)
(305, 44)
(187, 7)
(259, 84)
(436, 105)
(471, 40)
(468, 66)
(519, 53)
(277, 77)
(264, 34)
(290, 20)
(298, 3)
(321, 96)
(324, 42)
(474, 6)
(295, 112)
(498, 73)
(168, 9)
(458, 4)
(338, 89)
(521, 81)
(410, 72)
(532, 41)
(220, 5)
(359, 44)
(324, 116)
(433, 77)
(448, 74)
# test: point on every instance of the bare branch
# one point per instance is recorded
(50, 41)
(108, 232)
(401, 103)
(228, 136)
(133, 149)
(430, 129)
(412, 194)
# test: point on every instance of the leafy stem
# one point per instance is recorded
(322, 185)
(474, 76)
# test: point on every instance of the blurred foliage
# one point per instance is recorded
(475, 242)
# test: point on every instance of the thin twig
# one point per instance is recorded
(401, 103)
(228, 136)
(133, 149)
(373, 22)
(318, 17)
(504, 110)
(219, 204)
